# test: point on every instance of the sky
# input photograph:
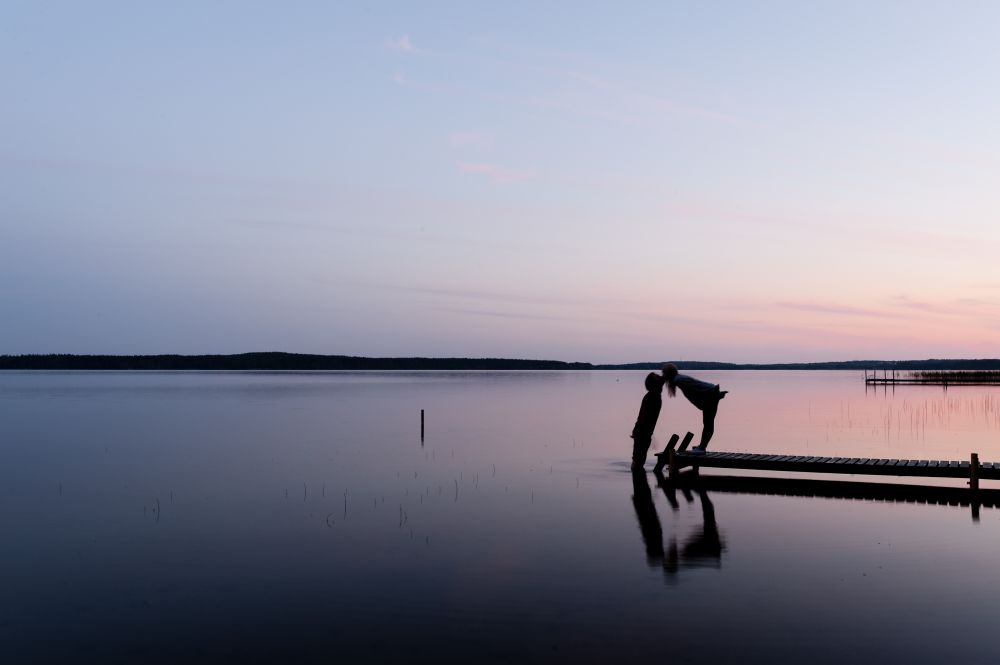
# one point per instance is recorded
(613, 182)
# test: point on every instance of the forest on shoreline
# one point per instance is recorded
(276, 361)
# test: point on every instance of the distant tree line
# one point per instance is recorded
(272, 361)
(304, 362)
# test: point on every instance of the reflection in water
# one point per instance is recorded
(649, 521)
(302, 519)
(892, 492)
(703, 548)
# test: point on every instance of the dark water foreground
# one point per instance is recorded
(204, 517)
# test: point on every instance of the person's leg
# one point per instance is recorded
(708, 424)
(640, 446)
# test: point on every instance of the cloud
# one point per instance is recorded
(630, 89)
(500, 175)
(276, 224)
(507, 315)
(403, 44)
(509, 297)
(840, 310)
(402, 81)
(975, 308)
(469, 139)
(710, 212)
(575, 91)
(919, 305)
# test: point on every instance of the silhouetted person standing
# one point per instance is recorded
(649, 411)
(705, 396)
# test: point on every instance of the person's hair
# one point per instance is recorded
(669, 374)
(654, 381)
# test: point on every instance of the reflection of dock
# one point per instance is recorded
(681, 457)
(839, 489)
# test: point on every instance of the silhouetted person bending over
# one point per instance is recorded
(702, 394)
(649, 411)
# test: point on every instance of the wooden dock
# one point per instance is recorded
(679, 458)
(880, 381)
(891, 378)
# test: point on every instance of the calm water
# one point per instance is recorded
(184, 517)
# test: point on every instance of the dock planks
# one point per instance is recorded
(841, 465)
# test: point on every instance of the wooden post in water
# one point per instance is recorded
(421, 424)
(974, 472)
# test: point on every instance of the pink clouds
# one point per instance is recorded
(838, 309)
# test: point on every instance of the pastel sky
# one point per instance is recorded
(740, 181)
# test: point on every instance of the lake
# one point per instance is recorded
(299, 517)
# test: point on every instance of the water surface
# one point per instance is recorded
(161, 517)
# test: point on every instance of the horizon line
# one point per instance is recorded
(7, 360)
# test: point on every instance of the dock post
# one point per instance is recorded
(974, 472)
(685, 442)
(672, 462)
(421, 424)
(661, 458)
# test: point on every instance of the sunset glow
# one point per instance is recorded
(816, 182)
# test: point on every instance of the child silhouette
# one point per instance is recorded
(645, 423)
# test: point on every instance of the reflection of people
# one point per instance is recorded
(649, 411)
(703, 548)
(649, 521)
(705, 396)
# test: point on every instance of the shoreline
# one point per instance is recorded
(278, 361)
